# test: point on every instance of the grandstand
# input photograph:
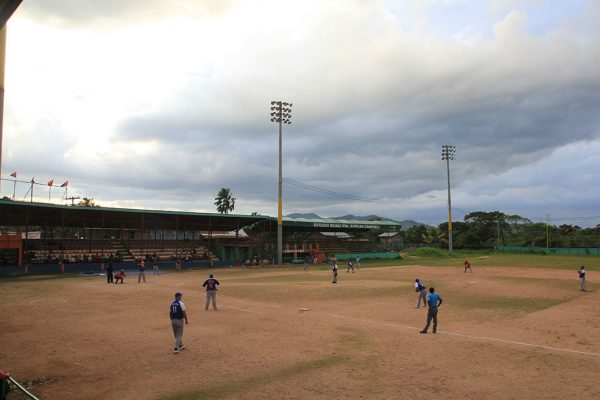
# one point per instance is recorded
(73, 235)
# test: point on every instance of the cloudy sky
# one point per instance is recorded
(159, 104)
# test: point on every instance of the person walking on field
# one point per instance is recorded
(334, 271)
(211, 291)
(435, 301)
(421, 290)
(178, 315)
(306, 261)
(358, 262)
(468, 266)
(109, 273)
(141, 269)
(582, 278)
(350, 266)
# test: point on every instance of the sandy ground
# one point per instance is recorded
(507, 333)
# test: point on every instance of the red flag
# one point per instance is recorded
(50, 182)
(14, 174)
(66, 183)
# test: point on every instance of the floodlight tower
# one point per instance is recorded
(281, 112)
(448, 152)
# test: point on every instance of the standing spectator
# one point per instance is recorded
(582, 278)
(468, 266)
(120, 275)
(420, 289)
(211, 285)
(109, 273)
(178, 263)
(350, 266)
(334, 271)
(142, 271)
(435, 301)
(178, 315)
(358, 262)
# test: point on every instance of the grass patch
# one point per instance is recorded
(246, 385)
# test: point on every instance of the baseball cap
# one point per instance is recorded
(178, 294)
(210, 276)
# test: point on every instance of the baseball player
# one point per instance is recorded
(420, 289)
(120, 275)
(468, 266)
(178, 315)
(141, 270)
(334, 271)
(435, 301)
(582, 278)
(350, 266)
(211, 285)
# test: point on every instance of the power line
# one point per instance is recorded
(353, 197)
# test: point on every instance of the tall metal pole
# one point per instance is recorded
(448, 152)
(280, 200)
(281, 112)
(498, 232)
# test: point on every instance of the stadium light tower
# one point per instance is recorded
(448, 152)
(281, 113)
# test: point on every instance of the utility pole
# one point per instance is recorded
(281, 113)
(498, 233)
(547, 234)
(73, 199)
(448, 152)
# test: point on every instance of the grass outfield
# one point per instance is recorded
(517, 327)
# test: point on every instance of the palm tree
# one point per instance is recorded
(87, 202)
(224, 201)
(434, 235)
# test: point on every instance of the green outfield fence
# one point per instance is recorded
(367, 256)
(578, 251)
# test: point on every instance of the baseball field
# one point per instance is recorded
(518, 327)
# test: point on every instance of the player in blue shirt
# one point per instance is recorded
(434, 301)
(178, 315)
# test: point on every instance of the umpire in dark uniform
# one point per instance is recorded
(109, 273)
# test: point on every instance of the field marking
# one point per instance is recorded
(481, 338)
(243, 309)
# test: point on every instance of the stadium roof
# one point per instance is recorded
(20, 213)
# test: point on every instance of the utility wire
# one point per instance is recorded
(353, 197)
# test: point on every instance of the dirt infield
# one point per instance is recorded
(505, 333)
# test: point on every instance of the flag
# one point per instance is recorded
(50, 182)
(65, 183)
(14, 174)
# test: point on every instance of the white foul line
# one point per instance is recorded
(540, 346)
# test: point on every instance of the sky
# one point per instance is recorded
(159, 105)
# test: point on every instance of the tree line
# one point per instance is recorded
(481, 229)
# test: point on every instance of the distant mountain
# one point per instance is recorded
(407, 223)
(302, 215)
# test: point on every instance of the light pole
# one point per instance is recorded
(281, 113)
(547, 234)
(448, 152)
